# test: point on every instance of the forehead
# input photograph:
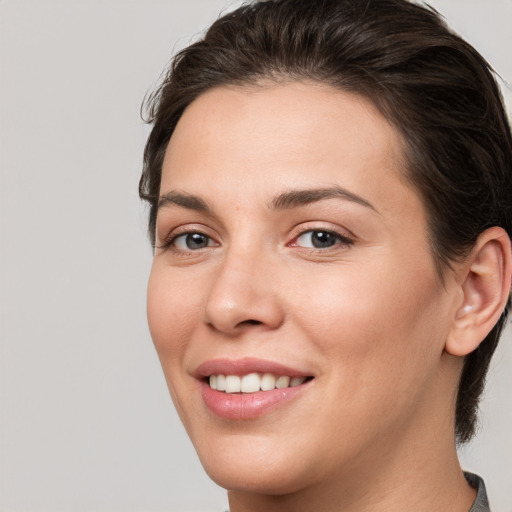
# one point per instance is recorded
(272, 136)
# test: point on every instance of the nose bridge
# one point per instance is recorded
(242, 293)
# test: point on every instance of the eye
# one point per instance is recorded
(320, 239)
(192, 241)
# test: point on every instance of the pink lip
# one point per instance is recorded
(246, 406)
(249, 405)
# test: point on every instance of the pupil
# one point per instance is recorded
(323, 239)
(196, 241)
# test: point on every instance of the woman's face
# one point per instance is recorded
(290, 246)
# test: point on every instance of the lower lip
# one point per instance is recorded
(247, 406)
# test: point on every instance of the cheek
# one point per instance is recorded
(172, 313)
(378, 325)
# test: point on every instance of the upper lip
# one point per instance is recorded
(245, 366)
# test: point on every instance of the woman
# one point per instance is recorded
(330, 199)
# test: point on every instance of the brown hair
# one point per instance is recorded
(434, 87)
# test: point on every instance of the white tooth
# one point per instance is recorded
(213, 382)
(294, 381)
(268, 382)
(282, 382)
(250, 383)
(221, 383)
(232, 384)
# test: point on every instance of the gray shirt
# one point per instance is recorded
(481, 503)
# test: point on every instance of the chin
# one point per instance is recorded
(259, 479)
(256, 465)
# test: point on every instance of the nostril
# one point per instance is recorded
(250, 322)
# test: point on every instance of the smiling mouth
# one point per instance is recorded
(253, 382)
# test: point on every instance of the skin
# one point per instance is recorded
(369, 318)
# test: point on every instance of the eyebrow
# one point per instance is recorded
(294, 198)
(286, 200)
(185, 200)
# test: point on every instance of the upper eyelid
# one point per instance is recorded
(305, 227)
(181, 229)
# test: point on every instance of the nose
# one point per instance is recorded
(244, 296)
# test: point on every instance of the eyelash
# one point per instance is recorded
(169, 244)
(339, 239)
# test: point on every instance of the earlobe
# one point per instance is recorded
(485, 284)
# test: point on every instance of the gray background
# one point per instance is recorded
(85, 420)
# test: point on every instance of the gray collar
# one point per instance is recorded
(481, 503)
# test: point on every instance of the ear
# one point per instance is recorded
(485, 282)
